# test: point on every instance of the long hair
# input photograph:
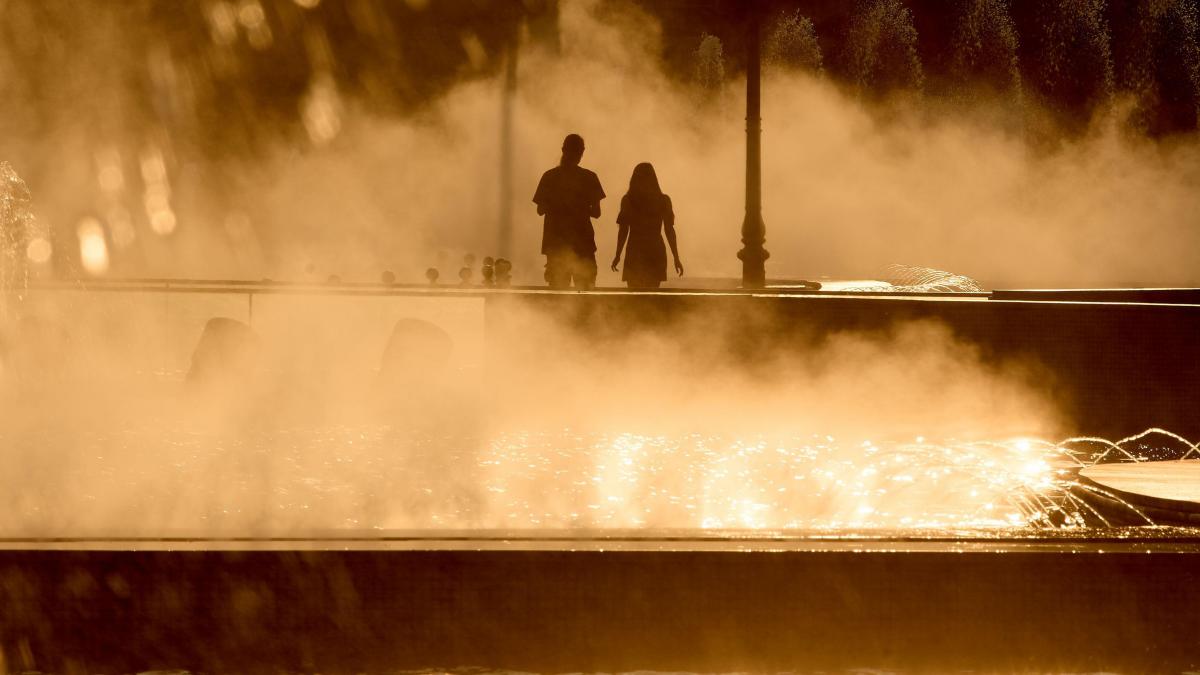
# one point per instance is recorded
(643, 184)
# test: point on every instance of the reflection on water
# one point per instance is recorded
(369, 478)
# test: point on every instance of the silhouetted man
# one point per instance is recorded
(569, 196)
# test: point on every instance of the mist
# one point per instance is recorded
(660, 429)
(847, 190)
(852, 183)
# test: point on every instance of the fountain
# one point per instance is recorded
(709, 72)
(1071, 65)
(22, 241)
(374, 517)
(881, 49)
(382, 477)
(1159, 49)
(985, 48)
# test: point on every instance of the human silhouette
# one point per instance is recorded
(645, 213)
(569, 197)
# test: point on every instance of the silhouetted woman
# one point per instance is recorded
(645, 213)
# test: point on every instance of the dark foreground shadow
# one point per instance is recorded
(556, 611)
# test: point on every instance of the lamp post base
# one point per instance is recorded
(754, 271)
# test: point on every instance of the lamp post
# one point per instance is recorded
(754, 230)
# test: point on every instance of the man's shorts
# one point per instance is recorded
(566, 267)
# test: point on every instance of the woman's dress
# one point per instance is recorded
(645, 254)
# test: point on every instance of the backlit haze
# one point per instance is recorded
(273, 139)
(295, 140)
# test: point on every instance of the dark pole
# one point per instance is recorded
(754, 231)
(506, 143)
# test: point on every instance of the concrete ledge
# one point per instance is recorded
(1116, 368)
(1173, 296)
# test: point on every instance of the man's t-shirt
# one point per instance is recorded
(566, 194)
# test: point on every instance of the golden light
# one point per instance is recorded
(254, 20)
(158, 209)
(157, 197)
(1034, 468)
(39, 250)
(163, 222)
(475, 51)
(120, 225)
(93, 251)
(154, 169)
(222, 19)
(108, 171)
(251, 14)
(111, 179)
(321, 110)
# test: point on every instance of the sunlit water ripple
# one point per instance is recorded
(161, 482)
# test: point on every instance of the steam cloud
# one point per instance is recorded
(852, 185)
(631, 431)
(846, 192)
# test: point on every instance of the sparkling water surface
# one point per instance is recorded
(373, 479)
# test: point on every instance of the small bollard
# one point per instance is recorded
(467, 272)
(489, 272)
(503, 273)
(432, 275)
